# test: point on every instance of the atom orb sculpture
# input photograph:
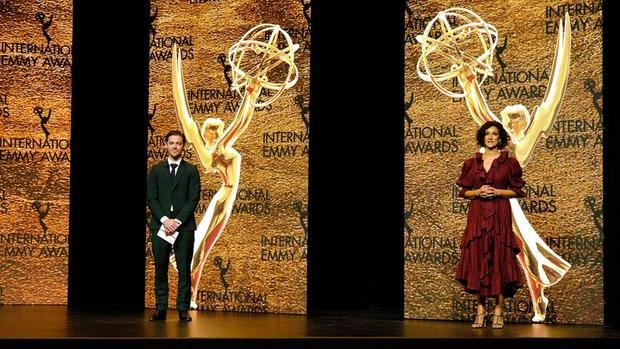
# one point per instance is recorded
(466, 41)
(264, 56)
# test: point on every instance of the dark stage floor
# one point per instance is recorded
(56, 326)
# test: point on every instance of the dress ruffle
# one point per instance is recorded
(488, 264)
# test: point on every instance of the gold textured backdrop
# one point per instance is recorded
(564, 177)
(265, 238)
(35, 127)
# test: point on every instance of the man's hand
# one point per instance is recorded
(171, 226)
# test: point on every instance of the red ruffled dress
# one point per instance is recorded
(488, 264)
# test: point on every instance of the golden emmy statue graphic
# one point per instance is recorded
(464, 51)
(262, 59)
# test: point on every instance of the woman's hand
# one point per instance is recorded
(484, 192)
(487, 192)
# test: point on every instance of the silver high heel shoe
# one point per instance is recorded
(480, 320)
(498, 320)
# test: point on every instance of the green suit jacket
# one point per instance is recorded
(183, 194)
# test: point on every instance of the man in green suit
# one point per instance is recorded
(173, 191)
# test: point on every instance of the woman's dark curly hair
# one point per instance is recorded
(503, 135)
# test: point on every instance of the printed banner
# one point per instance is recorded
(563, 168)
(35, 129)
(258, 264)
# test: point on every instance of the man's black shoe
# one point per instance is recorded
(184, 316)
(158, 315)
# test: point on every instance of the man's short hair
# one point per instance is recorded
(175, 133)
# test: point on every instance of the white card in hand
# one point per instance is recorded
(169, 238)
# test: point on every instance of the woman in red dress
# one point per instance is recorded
(488, 265)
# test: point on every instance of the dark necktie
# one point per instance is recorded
(173, 172)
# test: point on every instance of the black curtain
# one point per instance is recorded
(108, 146)
(356, 156)
(611, 76)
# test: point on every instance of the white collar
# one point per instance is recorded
(170, 161)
